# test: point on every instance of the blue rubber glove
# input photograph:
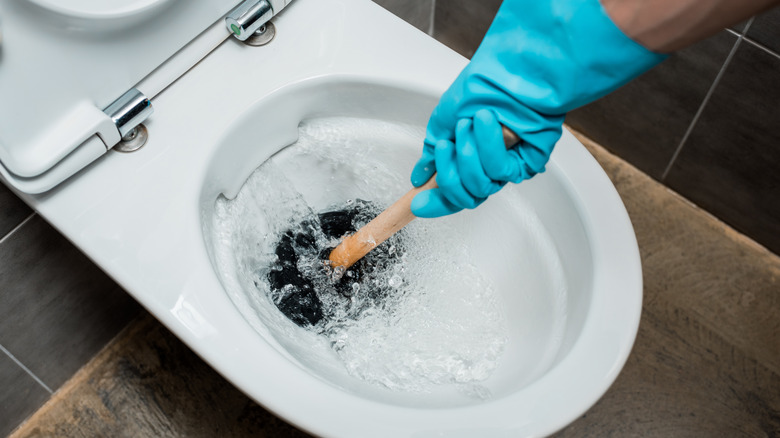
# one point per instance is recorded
(539, 60)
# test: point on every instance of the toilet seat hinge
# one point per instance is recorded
(128, 112)
(249, 21)
(248, 17)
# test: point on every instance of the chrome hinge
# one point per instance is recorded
(248, 17)
(129, 111)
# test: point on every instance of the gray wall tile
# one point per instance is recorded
(418, 13)
(461, 24)
(57, 309)
(765, 30)
(730, 165)
(645, 120)
(739, 27)
(20, 395)
(12, 210)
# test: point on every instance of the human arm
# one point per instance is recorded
(539, 60)
(669, 25)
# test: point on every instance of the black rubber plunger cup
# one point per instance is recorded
(301, 305)
(298, 299)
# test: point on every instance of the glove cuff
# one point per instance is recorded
(571, 46)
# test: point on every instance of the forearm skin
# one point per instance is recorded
(665, 26)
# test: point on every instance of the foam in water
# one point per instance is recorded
(425, 317)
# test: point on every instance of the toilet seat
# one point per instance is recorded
(139, 216)
(63, 65)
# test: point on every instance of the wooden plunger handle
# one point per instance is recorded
(395, 217)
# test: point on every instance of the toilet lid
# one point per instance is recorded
(62, 60)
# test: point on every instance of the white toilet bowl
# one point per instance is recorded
(147, 219)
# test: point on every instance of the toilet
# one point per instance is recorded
(125, 124)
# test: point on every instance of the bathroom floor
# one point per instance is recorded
(706, 360)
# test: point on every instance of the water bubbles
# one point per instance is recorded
(422, 317)
(288, 290)
(337, 273)
(395, 281)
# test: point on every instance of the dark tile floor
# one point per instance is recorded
(13, 212)
(20, 394)
(730, 163)
(81, 306)
(765, 30)
(418, 13)
(705, 363)
(57, 310)
(461, 24)
(645, 120)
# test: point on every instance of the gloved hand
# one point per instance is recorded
(539, 60)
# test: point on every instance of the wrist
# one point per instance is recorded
(667, 25)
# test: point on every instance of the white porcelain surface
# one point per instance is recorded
(140, 217)
(100, 9)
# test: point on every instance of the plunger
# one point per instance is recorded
(390, 221)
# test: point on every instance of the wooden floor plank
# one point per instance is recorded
(691, 260)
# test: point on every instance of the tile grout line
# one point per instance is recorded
(704, 102)
(27, 370)
(761, 46)
(733, 32)
(432, 21)
(17, 228)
